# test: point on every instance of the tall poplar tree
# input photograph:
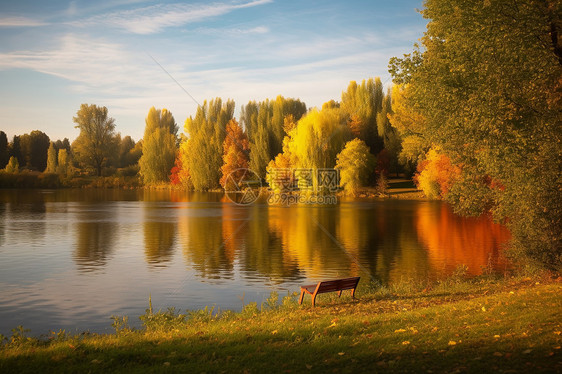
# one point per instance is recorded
(159, 146)
(203, 148)
(51, 159)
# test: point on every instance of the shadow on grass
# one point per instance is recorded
(331, 350)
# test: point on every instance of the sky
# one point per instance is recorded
(130, 55)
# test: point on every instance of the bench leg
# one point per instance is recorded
(353, 293)
(314, 299)
(302, 297)
(339, 293)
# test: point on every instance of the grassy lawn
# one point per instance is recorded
(479, 325)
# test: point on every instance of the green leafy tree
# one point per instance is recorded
(260, 146)
(159, 146)
(356, 164)
(487, 84)
(96, 142)
(203, 148)
(51, 159)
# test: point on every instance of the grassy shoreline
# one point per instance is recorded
(477, 325)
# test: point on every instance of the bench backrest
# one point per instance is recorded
(338, 284)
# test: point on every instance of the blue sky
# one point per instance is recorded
(55, 55)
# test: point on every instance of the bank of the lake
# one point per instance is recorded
(477, 325)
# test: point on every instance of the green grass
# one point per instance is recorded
(478, 325)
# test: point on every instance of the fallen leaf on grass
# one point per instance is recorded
(452, 342)
(274, 332)
(341, 353)
(498, 354)
(400, 330)
(308, 366)
(405, 342)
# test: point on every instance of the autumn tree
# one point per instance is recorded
(129, 154)
(159, 146)
(14, 149)
(487, 84)
(362, 103)
(12, 166)
(265, 126)
(436, 174)
(63, 162)
(4, 154)
(318, 138)
(411, 127)
(33, 148)
(96, 142)
(51, 159)
(355, 163)
(235, 155)
(203, 148)
(392, 140)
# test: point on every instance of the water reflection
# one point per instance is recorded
(95, 236)
(451, 240)
(200, 228)
(159, 234)
(264, 254)
(195, 249)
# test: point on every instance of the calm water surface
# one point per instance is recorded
(71, 259)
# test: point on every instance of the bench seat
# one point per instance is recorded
(335, 285)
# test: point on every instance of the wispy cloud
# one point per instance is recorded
(233, 31)
(20, 22)
(155, 18)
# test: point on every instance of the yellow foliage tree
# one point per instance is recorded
(355, 163)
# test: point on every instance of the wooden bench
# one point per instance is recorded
(330, 286)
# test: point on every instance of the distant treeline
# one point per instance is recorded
(270, 134)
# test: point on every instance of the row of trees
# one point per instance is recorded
(271, 134)
(97, 150)
(282, 134)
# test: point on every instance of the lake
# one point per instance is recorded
(70, 259)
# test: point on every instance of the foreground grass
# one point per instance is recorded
(482, 325)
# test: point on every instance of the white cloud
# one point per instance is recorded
(17, 21)
(233, 31)
(155, 18)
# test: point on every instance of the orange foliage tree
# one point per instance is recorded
(235, 155)
(436, 174)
